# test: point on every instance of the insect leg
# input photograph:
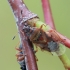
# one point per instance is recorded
(55, 36)
(21, 58)
(42, 26)
(36, 58)
(34, 25)
(19, 55)
(44, 37)
(36, 48)
(36, 51)
(16, 46)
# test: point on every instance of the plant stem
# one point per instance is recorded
(65, 41)
(65, 60)
(21, 13)
(47, 13)
(49, 19)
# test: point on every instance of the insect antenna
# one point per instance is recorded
(15, 36)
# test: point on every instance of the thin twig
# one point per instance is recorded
(21, 14)
(47, 13)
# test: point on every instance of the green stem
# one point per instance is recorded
(65, 60)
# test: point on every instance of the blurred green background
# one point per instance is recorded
(61, 15)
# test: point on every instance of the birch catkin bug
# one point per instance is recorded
(40, 38)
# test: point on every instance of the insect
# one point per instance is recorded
(20, 58)
(40, 38)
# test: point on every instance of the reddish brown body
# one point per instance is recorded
(54, 35)
(40, 38)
